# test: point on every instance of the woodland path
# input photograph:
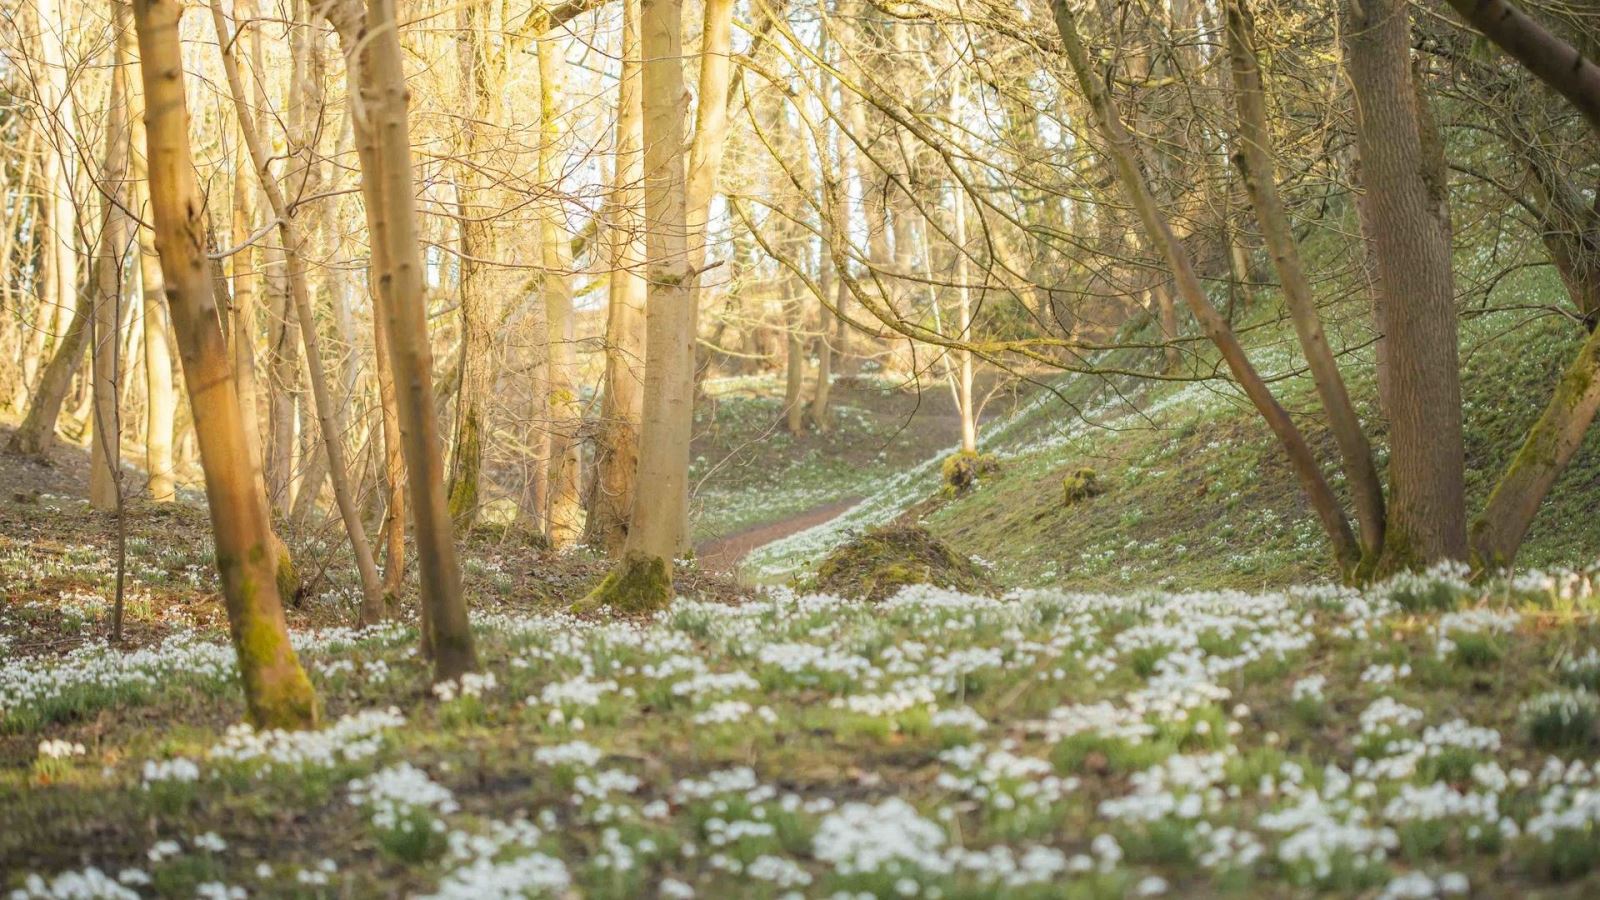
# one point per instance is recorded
(724, 554)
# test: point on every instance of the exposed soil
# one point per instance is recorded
(725, 554)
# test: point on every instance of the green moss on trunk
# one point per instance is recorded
(463, 500)
(638, 584)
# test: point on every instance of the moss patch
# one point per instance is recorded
(877, 564)
(1079, 485)
(638, 584)
(962, 471)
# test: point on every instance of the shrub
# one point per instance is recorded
(962, 471)
(1079, 485)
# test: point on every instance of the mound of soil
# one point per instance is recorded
(880, 562)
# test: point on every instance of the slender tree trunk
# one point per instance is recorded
(1123, 153)
(61, 211)
(161, 403)
(563, 511)
(1427, 512)
(37, 433)
(105, 448)
(372, 604)
(964, 399)
(277, 692)
(704, 169)
(372, 44)
(1257, 164)
(642, 579)
(394, 468)
(480, 308)
(621, 400)
(795, 368)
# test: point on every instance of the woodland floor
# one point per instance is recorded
(1105, 733)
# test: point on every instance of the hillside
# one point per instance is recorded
(1195, 490)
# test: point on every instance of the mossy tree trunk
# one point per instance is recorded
(1571, 231)
(642, 579)
(277, 692)
(479, 291)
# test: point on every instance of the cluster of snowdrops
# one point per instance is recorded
(1424, 738)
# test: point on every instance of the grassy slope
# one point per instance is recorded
(749, 471)
(1198, 493)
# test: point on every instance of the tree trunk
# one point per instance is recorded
(277, 692)
(621, 400)
(480, 308)
(60, 207)
(563, 512)
(642, 579)
(1498, 531)
(795, 368)
(372, 45)
(37, 433)
(105, 448)
(161, 404)
(1258, 166)
(1427, 492)
(372, 603)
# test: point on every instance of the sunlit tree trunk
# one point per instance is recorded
(563, 511)
(277, 692)
(372, 43)
(36, 435)
(965, 404)
(161, 403)
(642, 579)
(105, 446)
(621, 400)
(372, 604)
(480, 302)
(62, 303)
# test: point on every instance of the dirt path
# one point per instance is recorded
(724, 554)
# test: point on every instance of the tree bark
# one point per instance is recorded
(105, 447)
(1551, 59)
(563, 510)
(480, 307)
(277, 692)
(372, 602)
(161, 403)
(1427, 492)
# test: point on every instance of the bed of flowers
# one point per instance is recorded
(1425, 738)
